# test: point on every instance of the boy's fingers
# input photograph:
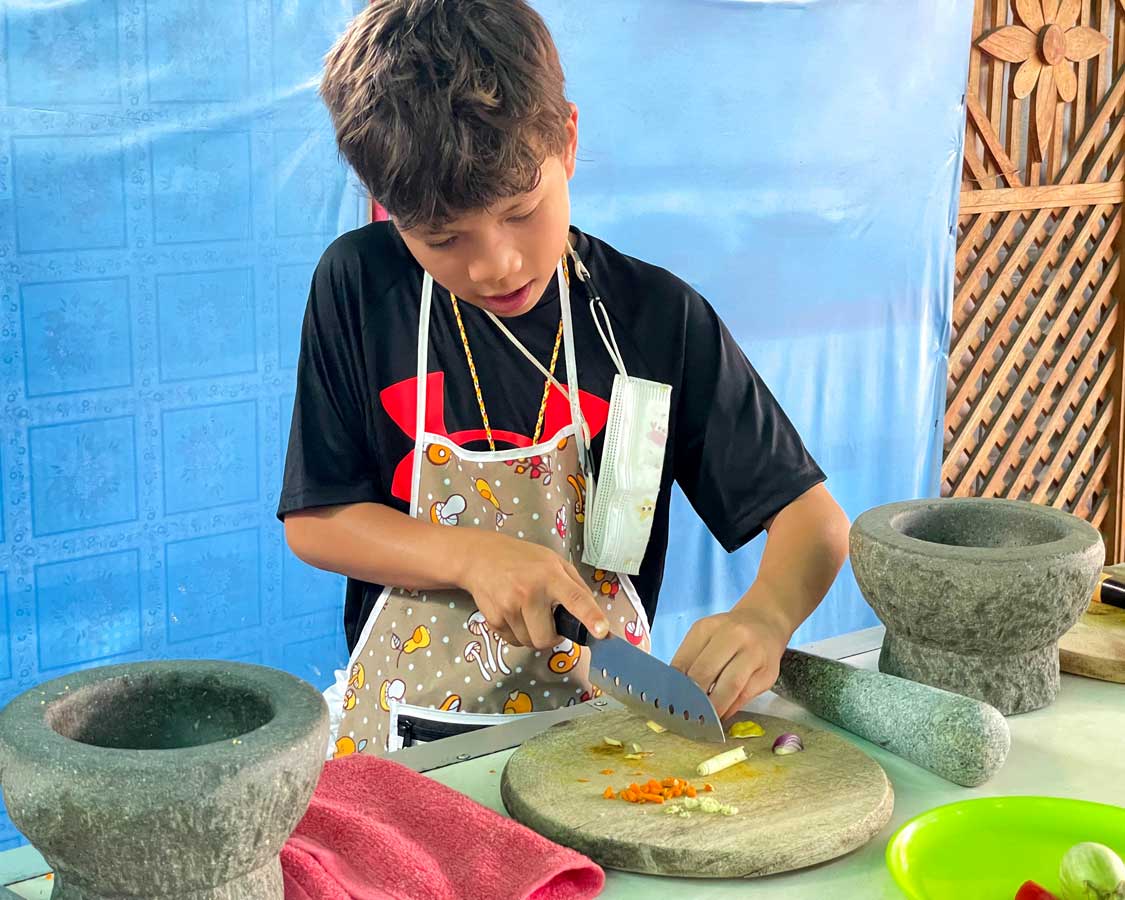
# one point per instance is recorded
(519, 631)
(759, 683)
(505, 632)
(713, 670)
(730, 685)
(585, 589)
(692, 646)
(581, 604)
(540, 626)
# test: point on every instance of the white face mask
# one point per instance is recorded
(621, 498)
(621, 505)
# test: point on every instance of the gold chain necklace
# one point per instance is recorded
(476, 381)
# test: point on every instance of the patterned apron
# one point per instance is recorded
(427, 664)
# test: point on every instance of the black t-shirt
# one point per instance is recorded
(730, 446)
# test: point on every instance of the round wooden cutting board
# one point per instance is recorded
(1095, 646)
(793, 811)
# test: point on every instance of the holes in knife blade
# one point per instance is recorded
(605, 673)
(617, 681)
(644, 696)
(629, 689)
(702, 721)
(687, 716)
(671, 710)
(656, 703)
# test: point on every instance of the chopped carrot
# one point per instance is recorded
(606, 772)
(655, 790)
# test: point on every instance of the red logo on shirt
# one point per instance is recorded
(401, 403)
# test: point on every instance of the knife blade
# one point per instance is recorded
(643, 684)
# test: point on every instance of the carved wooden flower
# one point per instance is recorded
(1047, 45)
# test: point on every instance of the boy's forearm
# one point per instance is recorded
(806, 545)
(381, 545)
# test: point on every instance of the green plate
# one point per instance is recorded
(985, 849)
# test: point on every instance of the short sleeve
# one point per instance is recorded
(330, 459)
(738, 458)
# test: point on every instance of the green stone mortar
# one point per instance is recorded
(163, 780)
(975, 593)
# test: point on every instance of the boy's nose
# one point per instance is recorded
(495, 267)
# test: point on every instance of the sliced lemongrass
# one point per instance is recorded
(724, 760)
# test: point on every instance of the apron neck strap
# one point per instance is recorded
(420, 396)
(573, 394)
(423, 362)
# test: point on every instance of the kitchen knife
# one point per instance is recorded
(643, 684)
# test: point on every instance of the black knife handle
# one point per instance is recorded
(1110, 591)
(569, 627)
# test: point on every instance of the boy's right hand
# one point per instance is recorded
(518, 584)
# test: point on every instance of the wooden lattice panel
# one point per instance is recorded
(1035, 369)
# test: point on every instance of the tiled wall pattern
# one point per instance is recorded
(168, 180)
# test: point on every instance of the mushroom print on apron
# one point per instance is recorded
(427, 664)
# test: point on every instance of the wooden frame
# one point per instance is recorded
(1035, 370)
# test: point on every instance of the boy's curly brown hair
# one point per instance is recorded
(444, 107)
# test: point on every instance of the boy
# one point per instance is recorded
(440, 428)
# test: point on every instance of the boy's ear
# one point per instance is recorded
(570, 155)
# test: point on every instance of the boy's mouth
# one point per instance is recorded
(507, 303)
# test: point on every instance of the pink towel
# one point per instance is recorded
(376, 830)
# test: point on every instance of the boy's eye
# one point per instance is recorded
(448, 242)
(527, 215)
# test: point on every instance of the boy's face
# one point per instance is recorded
(504, 257)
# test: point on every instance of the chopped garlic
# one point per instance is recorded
(656, 726)
(707, 805)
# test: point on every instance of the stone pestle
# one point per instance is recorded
(961, 739)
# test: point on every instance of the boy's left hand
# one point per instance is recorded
(736, 655)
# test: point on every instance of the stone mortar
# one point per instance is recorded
(975, 593)
(163, 780)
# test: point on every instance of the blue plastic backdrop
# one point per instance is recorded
(168, 180)
(798, 163)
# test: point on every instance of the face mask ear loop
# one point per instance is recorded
(610, 342)
(596, 306)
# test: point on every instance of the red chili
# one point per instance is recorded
(1029, 890)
